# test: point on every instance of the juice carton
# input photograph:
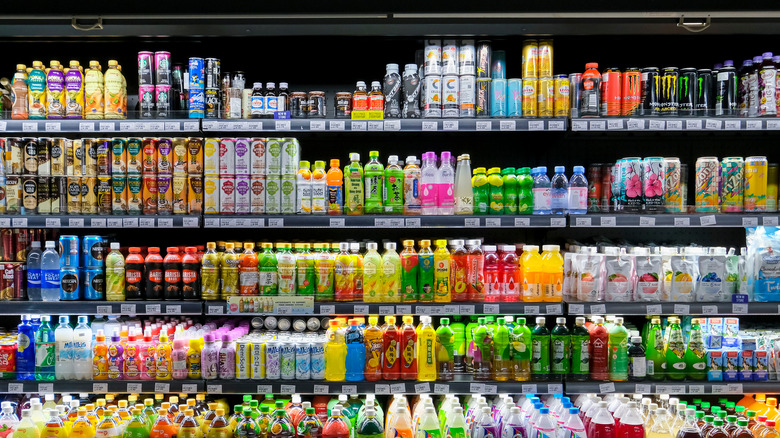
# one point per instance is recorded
(731, 365)
(747, 343)
(731, 327)
(747, 365)
(761, 365)
(714, 341)
(715, 365)
(715, 325)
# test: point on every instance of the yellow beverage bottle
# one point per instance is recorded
(758, 405)
(342, 279)
(93, 91)
(163, 359)
(208, 417)
(92, 415)
(113, 100)
(372, 274)
(219, 427)
(107, 428)
(356, 271)
(391, 271)
(441, 273)
(53, 427)
(552, 273)
(189, 427)
(236, 417)
(193, 359)
(426, 350)
(26, 428)
(335, 353)
(771, 412)
(531, 265)
(82, 427)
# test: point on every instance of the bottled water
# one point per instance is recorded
(63, 349)
(82, 350)
(560, 191)
(578, 192)
(541, 191)
(34, 272)
(50, 273)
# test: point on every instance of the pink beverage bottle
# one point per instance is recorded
(631, 424)
(227, 358)
(146, 356)
(209, 358)
(492, 275)
(132, 358)
(510, 275)
(116, 359)
(428, 175)
(445, 185)
(179, 359)
(475, 271)
(602, 425)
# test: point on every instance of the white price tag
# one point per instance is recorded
(172, 126)
(127, 309)
(275, 222)
(327, 309)
(531, 310)
(606, 387)
(739, 308)
(16, 387)
(216, 310)
(45, 387)
(713, 124)
(491, 389)
(450, 309)
(227, 223)
(99, 387)
(598, 125)
(284, 310)
(52, 127)
(674, 125)
(53, 222)
(381, 388)
(577, 309)
(555, 125)
(493, 222)
(375, 125)
(670, 389)
(695, 389)
(106, 126)
(471, 222)
(579, 125)
(657, 125)
(555, 388)
(749, 221)
(491, 309)
(282, 125)
(773, 124)
(211, 222)
(614, 124)
(709, 310)
(646, 221)
(467, 309)
(287, 389)
(682, 309)
(636, 124)
(86, 127)
(707, 220)
(19, 222)
(214, 389)
(535, 125)
(476, 388)
(682, 222)
(349, 389)
(422, 310)
(165, 222)
(507, 125)
(398, 388)
(608, 221)
(404, 310)
(693, 125)
(641, 388)
(152, 309)
(558, 222)
(162, 387)
(753, 125)
(321, 389)
(115, 222)
(450, 125)
(769, 221)
(97, 223)
(582, 222)
(5, 222)
(734, 388)
(430, 126)
(484, 125)
(336, 223)
(336, 125)
(146, 222)
(598, 309)
(2, 126)
(553, 309)
(189, 222)
(77, 222)
(719, 389)
(160, 126)
(422, 387)
(135, 388)
(386, 310)
(438, 388)
(381, 223)
(522, 222)
(317, 125)
(173, 309)
(360, 309)
(250, 126)
(264, 389)
(392, 125)
(733, 125)
(103, 310)
(189, 388)
(654, 309)
(412, 223)
(529, 388)
(131, 222)
(29, 127)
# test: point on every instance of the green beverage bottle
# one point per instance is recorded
(696, 354)
(654, 351)
(525, 196)
(115, 274)
(540, 351)
(427, 270)
(482, 351)
(469, 335)
(618, 352)
(44, 351)
(521, 351)
(136, 427)
(353, 185)
(675, 351)
(496, 188)
(510, 190)
(561, 347)
(580, 353)
(502, 363)
(410, 267)
(445, 350)
(304, 261)
(374, 174)
(459, 344)
(479, 183)
(268, 282)
(393, 193)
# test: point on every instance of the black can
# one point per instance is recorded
(687, 91)
(213, 69)
(726, 91)
(705, 98)
(669, 81)
(482, 102)
(213, 105)
(484, 62)
(650, 103)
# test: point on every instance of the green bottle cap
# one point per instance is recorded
(750, 413)
(247, 397)
(718, 422)
(742, 423)
(490, 319)
(309, 411)
(723, 401)
(444, 321)
(700, 414)
(508, 171)
(730, 405)
(238, 408)
(500, 321)
(709, 418)
(731, 418)
(520, 321)
(722, 414)
(740, 409)
(253, 403)
(481, 320)
(264, 409)
(524, 171)
(705, 405)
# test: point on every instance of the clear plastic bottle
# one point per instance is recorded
(374, 174)
(509, 271)
(391, 270)
(542, 192)
(44, 350)
(63, 350)
(559, 193)
(578, 192)
(492, 273)
(412, 186)
(464, 191)
(82, 350)
(115, 274)
(50, 273)
(428, 181)
(34, 272)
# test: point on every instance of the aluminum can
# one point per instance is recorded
(273, 360)
(103, 148)
(611, 92)
(69, 251)
(79, 154)
(498, 100)
(227, 194)
(135, 202)
(145, 68)
(484, 60)
(257, 195)
(44, 199)
(58, 193)
(119, 195)
(705, 93)
(30, 146)
(670, 103)
(212, 105)
(243, 194)
(179, 190)
(149, 194)
(164, 155)
(194, 156)
(243, 360)
(257, 156)
(575, 81)
(467, 58)
(433, 91)
(433, 57)
(241, 157)
(632, 92)
(197, 73)
(732, 177)
(92, 251)
(514, 98)
(630, 185)
(467, 95)
(104, 192)
(213, 72)
(29, 184)
(74, 195)
(14, 156)
(89, 195)
(498, 65)
(756, 180)
(178, 158)
(211, 194)
(707, 185)
(93, 284)
(162, 68)
(302, 360)
(545, 58)
(650, 100)
(227, 156)
(8, 350)
(194, 193)
(44, 156)
(672, 189)
(149, 155)
(530, 98)
(57, 156)
(771, 188)
(273, 194)
(12, 194)
(317, 359)
(726, 92)
(134, 155)
(687, 92)
(70, 286)
(546, 97)
(653, 184)
(483, 95)
(450, 101)
(530, 59)
(162, 97)
(211, 150)
(258, 360)
(164, 194)
(449, 57)
(562, 96)
(594, 187)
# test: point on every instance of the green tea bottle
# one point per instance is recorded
(353, 186)
(540, 351)
(696, 354)
(618, 352)
(374, 174)
(426, 270)
(561, 346)
(580, 353)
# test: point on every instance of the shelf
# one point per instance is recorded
(101, 386)
(102, 307)
(645, 308)
(379, 387)
(383, 222)
(448, 309)
(674, 124)
(389, 125)
(672, 220)
(94, 221)
(99, 127)
(670, 387)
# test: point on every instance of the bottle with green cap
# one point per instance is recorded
(742, 430)
(510, 190)
(374, 174)
(353, 185)
(501, 362)
(521, 351)
(751, 417)
(426, 272)
(459, 344)
(731, 424)
(394, 187)
(483, 346)
(696, 353)
(580, 353)
(496, 187)
(445, 350)
(717, 431)
(469, 337)
(525, 195)
(560, 339)
(705, 406)
(540, 351)
(481, 191)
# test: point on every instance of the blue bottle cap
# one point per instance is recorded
(574, 410)
(579, 169)
(544, 411)
(542, 169)
(560, 169)
(538, 405)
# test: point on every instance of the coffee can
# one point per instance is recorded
(135, 203)
(58, 148)
(164, 194)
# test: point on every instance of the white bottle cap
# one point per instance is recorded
(344, 246)
(508, 248)
(429, 410)
(355, 246)
(361, 84)
(354, 157)
(392, 68)
(532, 248)
(540, 320)
(371, 245)
(489, 248)
(390, 245)
(114, 245)
(36, 244)
(551, 248)
(375, 84)
(411, 159)
(49, 244)
(412, 68)
(392, 159)
(257, 85)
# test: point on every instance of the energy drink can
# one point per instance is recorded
(562, 91)
(732, 176)
(272, 360)
(483, 95)
(450, 106)
(287, 365)
(145, 68)
(162, 68)
(317, 359)
(243, 360)
(58, 147)
(302, 360)
(164, 194)
(449, 57)
(611, 92)
(103, 150)
(632, 92)
(74, 195)
(258, 360)
(653, 184)
(467, 58)
(575, 82)
(672, 189)
(530, 59)
(135, 203)
(44, 200)
(546, 97)
(650, 101)
(93, 284)
(707, 185)
(705, 95)
(179, 156)
(545, 58)
(134, 155)
(530, 99)
(149, 193)
(498, 65)
(484, 59)
(756, 177)
(498, 100)
(194, 156)
(669, 91)
(211, 194)
(70, 287)
(119, 156)
(89, 203)
(726, 90)
(119, 197)
(194, 194)
(164, 155)
(514, 98)
(467, 95)
(104, 191)
(433, 57)
(227, 156)
(257, 195)
(30, 156)
(433, 93)
(687, 91)
(29, 194)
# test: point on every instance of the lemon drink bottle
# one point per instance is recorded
(410, 267)
(441, 276)
(426, 351)
(189, 427)
(391, 271)
(136, 427)
(372, 274)
(54, 427)
(552, 273)
(219, 427)
(356, 271)
(496, 191)
(342, 279)
(82, 427)
(373, 338)
(26, 427)
(107, 427)
(335, 353)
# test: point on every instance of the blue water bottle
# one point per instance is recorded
(25, 350)
(356, 352)
(542, 189)
(560, 191)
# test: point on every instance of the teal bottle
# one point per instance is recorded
(540, 351)
(561, 349)
(44, 351)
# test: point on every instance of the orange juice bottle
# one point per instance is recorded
(99, 355)
(771, 413)
(335, 179)
(531, 266)
(758, 405)
(552, 273)
(248, 272)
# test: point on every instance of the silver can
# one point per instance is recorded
(287, 363)
(303, 360)
(432, 57)
(432, 96)
(467, 95)
(449, 57)
(272, 360)
(467, 58)
(450, 101)
(317, 360)
(243, 358)
(258, 360)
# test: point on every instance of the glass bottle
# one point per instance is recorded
(696, 353)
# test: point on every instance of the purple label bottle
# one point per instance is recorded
(116, 361)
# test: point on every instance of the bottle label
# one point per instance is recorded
(542, 198)
(578, 198)
(172, 275)
(446, 195)
(155, 276)
(44, 354)
(50, 279)
(559, 198)
(256, 105)
(636, 366)
(33, 278)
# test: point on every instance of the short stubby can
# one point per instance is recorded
(317, 359)
(432, 107)
(632, 92)
(756, 177)
(498, 99)
(243, 360)
(482, 103)
(546, 97)
(530, 99)
(93, 284)
(70, 286)
(562, 98)
(707, 185)
(673, 198)
(69, 251)
(653, 184)
(467, 58)
(303, 361)
(273, 360)
(258, 360)
(514, 98)
(450, 101)
(8, 359)
(92, 250)
(732, 178)
(467, 95)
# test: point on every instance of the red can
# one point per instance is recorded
(7, 360)
(632, 89)
(611, 90)
(606, 187)
(21, 243)
(594, 187)
(13, 280)
(7, 251)
(149, 155)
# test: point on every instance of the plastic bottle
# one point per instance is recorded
(335, 179)
(602, 425)
(525, 194)
(445, 350)
(496, 191)
(303, 188)
(675, 351)
(209, 358)
(441, 262)
(115, 274)
(429, 182)
(116, 361)
(590, 99)
(411, 192)
(393, 190)
(309, 426)
(107, 427)
(475, 277)
(374, 184)
(429, 424)
(286, 267)
(459, 271)
(356, 351)
(391, 342)
(509, 268)
(561, 347)
(481, 190)
(248, 271)
(599, 350)
(353, 185)
(305, 272)
(50, 273)
(34, 271)
(426, 351)
(342, 277)
(696, 353)
(370, 426)
(559, 192)
(482, 351)
(179, 359)
(63, 351)
(486, 427)
(492, 274)
(319, 189)
(540, 352)
(44, 351)
(502, 364)
(81, 350)
(336, 426)
(618, 351)
(544, 426)
(542, 191)
(531, 266)
(654, 351)
(172, 274)
(335, 353)
(399, 422)
(521, 351)
(189, 427)
(153, 277)
(134, 274)
(408, 349)
(26, 427)
(163, 361)
(445, 183)
(392, 271)
(578, 192)
(355, 269)
(464, 191)
(372, 274)
(410, 268)
(552, 272)
(194, 364)
(767, 85)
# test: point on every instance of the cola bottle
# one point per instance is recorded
(412, 81)
(391, 85)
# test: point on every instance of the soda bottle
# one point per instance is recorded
(441, 261)
(372, 274)
(136, 426)
(427, 269)
(391, 344)
(496, 188)
(393, 196)
(335, 179)
(219, 427)
(464, 192)
(319, 189)
(392, 271)
(429, 424)
(525, 195)
(578, 192)
(408, 349)
(590, 91)
(696, 353)
(353, 185)
(107, 427)
(355, 269)
(426, 351)
(44, 351)
(412, 203)
(502, 364)
(303, 188)
(374, 184)
(399, 423)
(561, 346)
(481, 347)
(531, 266)
(559, 193)
(654, 352)
(445, 350)
(281, 426)
(429, 181)
(54, 427)
(342, 277)
(304, 263)
(323, 270)
(540, 351)
(356, 351)
(409, 273)
(153, 277)
(542, 191)
(618, 352)
(459, 274)
(445, 185)
(172, 274)
(335, 353)
(336, 426)
(602, 425)
(479, 183)
(509, 182)
(675, 351)
(580, 350)
(552, 272)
